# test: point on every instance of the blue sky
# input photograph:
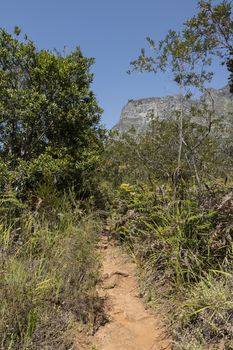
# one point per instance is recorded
(111, 31)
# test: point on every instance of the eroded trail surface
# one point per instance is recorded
(131, 326)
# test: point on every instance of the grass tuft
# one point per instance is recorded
(49, 270)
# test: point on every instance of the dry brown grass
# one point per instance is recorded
(49, 270)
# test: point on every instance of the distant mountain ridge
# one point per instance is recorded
(136, 112)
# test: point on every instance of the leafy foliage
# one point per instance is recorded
(49, 127)
(50, 146)
(175, 217)
(189, 52)
(150, 157)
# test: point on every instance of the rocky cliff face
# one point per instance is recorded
(137, 113)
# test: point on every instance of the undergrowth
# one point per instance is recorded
(205, 316)
(49, 270)
(183, 248)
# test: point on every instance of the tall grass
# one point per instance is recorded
(49, 270)
(183, 248)
(205, 315)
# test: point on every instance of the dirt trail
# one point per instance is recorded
(131, 327)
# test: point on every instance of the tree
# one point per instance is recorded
(49, 120)
(188, 54)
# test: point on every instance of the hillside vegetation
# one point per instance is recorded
(165, 195)
(51, 143)
(172, 202)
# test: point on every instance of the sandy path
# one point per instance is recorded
(131, 327)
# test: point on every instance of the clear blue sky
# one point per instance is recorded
(112, 31)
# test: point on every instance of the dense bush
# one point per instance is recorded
(49, 126)
(151, 156)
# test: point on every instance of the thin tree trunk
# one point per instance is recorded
(177, 172)
(180, 129)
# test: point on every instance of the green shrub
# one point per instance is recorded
(50, 131)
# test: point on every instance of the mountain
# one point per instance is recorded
(136, 113)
